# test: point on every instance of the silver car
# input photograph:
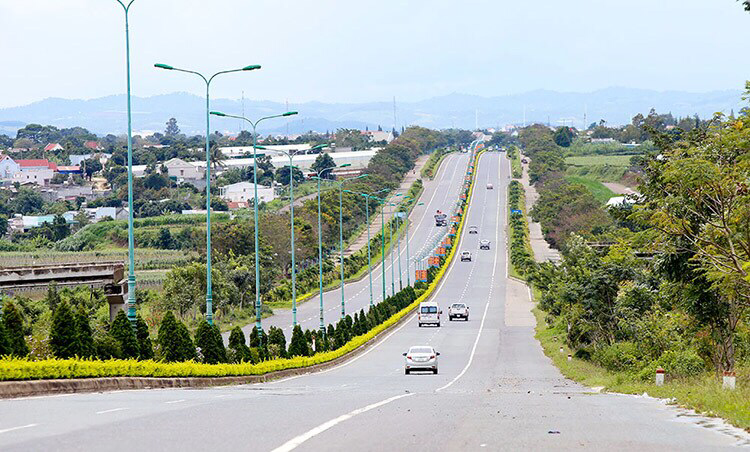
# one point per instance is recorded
(473, 230)
(421, 357)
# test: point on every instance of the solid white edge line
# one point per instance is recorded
(298, 440)
(486, 309)
(20, 427)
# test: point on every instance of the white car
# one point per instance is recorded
(484, 244)
(466, 256)
(428, 314)
(421, 357)
(489, 187)
(473, 230)
(458, 311)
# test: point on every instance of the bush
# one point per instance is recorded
(14, 328)
(276, 342)
(238, 350)
(212, 350)
(122, 331)
(62, 336)
(4, 341)
(174, 340)
(298, 346)
(84, 334)
(619, 356)
(107, 347)
(145, 347)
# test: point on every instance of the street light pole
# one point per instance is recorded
(408, 224)
(131, 241)
(318, 177)
(291, 215)
(258, 325)
(207, 81)
(341, 235)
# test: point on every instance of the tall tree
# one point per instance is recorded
(323, 161)
(63, 336)
(172, 129)
(122, 330)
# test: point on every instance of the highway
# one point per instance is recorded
(495, 390)
(438, 194)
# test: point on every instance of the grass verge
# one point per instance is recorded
(599, 190)
(703, 393)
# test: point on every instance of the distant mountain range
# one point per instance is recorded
(614, 105)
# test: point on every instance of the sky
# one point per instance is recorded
(361, 51)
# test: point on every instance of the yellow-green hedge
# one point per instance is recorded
(25, 369)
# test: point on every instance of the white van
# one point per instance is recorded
(429, 313)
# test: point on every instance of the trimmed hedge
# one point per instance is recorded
(520, 254)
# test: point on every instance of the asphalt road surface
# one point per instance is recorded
(495, 389)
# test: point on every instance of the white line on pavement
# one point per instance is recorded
(295, 442)
(17, 428)
(175, 401)
(111, 411)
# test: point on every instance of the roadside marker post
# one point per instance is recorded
(729, 381)
(659, 377)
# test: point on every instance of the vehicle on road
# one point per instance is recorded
(441, 219)
(490, 187)
(466, 256)
(421, 357)
(429, 313)
(484, 244)
(473, 230)
(458, 311)
(524, 161)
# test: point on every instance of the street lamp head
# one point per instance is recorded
(252, 67)
(319, 146)
(262, 148)
(218, 113)
(289, 113)
(345, 165)
(164, 66)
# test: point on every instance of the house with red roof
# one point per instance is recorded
(37, 171)
(93, 145)
(53, 147)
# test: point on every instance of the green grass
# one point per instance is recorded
(703, 393)
(596, 160)
(515, 165)
(600, 192)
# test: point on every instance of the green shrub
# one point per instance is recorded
(14, 328)
(63, 335)
(619, 356)
(211, 349)
(84, 334)
(107, 347)
(145, 347)
(4, 341)
(298, 345)
(174, 340)
(122, 331)
(238, 350)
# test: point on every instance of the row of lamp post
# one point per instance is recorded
(131, 311)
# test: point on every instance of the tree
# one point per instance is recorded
(63, 335)
(322, 162)
(298, 346)
(174, 340)
(84, 334)
(27, 201)
(209, 340)
(276, 342)
(564, 136)
(145, 348)
(238, 349)
(187, 348)
(14, 328)
(122, 331)
(4, 341)
(172, 129)
(697, 197)
(91, 166)
(282, 175)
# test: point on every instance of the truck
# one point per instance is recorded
(441, 219)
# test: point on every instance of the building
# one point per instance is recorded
(239, 205)
(180, 169)
(69, 169)
(8, 167)
(245, 192)
(93, 145)
(53, 147)
(36, 171)
(377, 136)
(357, 159)
(77, 160)
(99, 213)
